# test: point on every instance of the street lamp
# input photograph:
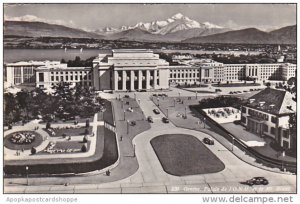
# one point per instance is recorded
(27, 168)
(124, 114)
(133, 150)
(185, 112)
(204, 122)
(167, 113)
(127, 127)
(122, 103)
(158, 102)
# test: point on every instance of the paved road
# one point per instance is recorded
(150, 177)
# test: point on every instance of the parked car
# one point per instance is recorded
(208, 141)
(126, 96)
(154, 95)
(132, 123)
(257, 181)
(150, 119)
(165, 120)
(156, 111)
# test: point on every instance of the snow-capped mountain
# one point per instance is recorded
(177, 22)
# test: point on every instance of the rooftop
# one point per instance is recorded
(273, 101)
(132, 51)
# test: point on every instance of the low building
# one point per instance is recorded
(267, 114)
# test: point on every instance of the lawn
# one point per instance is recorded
(63, 147)
(106, 154)
(69, 131)
(183, 155)
(36, 142)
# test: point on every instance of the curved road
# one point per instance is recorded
(151, 178)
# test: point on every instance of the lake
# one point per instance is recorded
(15, 55)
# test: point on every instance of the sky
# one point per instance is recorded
(95, 16)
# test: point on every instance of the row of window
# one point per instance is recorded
(71, 78)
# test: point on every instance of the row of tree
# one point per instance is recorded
(64, 103)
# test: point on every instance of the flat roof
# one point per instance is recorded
(132, 51)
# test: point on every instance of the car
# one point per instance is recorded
(154, 95)
(208, 141)
(130, 109)
(156, 111)
(126, 96)
(150, 119)
(132, 123)
(257, 181)
(159, 94)
(165, 120)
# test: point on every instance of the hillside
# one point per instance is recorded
(39, 29)
(286, 35)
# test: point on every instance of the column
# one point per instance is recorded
(131, 80)
(22, 75)
(155, 79)
(140, 78)
(124, 80)
(147, 79)
(116, 80)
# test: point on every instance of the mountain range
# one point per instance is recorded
(177, 28)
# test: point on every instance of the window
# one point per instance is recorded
(52, 78)
(41, 76)
(265, 128)
(244, 110)
(273, 130)
(273, 119)
(285, 144)
(206, 73)
(285, 134)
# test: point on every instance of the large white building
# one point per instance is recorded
(141, 69)
(130, 70)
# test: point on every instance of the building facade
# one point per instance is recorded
(123, 70)
(267, 114)
(23, 72)
(141, 69)
(50, 75)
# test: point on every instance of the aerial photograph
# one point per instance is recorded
(150, 99)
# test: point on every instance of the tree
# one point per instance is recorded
(85, 139)
(48, 125)
(33, 150)
(291, 81)
(84, 148)
(87, 123)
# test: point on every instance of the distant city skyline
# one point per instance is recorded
(94, 16)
